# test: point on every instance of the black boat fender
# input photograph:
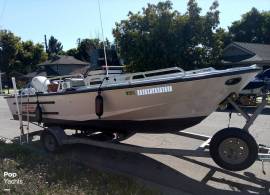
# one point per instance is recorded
(99, 105)
(38, 113)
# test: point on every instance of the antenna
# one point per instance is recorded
(104, 47)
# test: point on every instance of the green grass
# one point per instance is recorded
(43, 173)
(5, 91)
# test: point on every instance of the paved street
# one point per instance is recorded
(9, 128)
(173, 174)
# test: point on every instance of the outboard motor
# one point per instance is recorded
(40, 83)
(99, 105)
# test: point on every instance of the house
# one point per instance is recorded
(63, 65)
(68, 65)
(59, 66)
(245, 54)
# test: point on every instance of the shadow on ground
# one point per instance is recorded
(140, 166)
(148, 169)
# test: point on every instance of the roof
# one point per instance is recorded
(257, 53)
(48, 72)
(262, 51)
(81, 70)
(63, 60)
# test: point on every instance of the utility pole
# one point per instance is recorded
(1, 89)
(46, 46)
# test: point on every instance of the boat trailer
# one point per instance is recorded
(55, 137)
(231, 148)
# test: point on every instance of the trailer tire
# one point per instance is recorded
(49, 142)
(233, 149)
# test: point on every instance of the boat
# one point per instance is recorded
(106, 99)
(160, 101)
(106, 106)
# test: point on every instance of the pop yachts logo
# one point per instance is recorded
(11, 178)
(156, 90)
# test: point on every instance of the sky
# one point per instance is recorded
(68, 20)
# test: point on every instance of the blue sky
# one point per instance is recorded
(69, 20)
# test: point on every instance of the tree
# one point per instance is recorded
(55, 47)
(29, 55)
(202, 48)
(9, 44)
(19, 56)
(254, 27)
(161, 37)
(73, 52)
(85, 48)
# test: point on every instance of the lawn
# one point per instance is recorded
(5, 91)
(36, 172)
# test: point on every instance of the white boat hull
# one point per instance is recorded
(169, 105)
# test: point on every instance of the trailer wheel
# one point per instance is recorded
(49, 141)
(233, 149)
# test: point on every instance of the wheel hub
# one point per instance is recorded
(233, 151)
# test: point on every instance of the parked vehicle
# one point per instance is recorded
(248, 96)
